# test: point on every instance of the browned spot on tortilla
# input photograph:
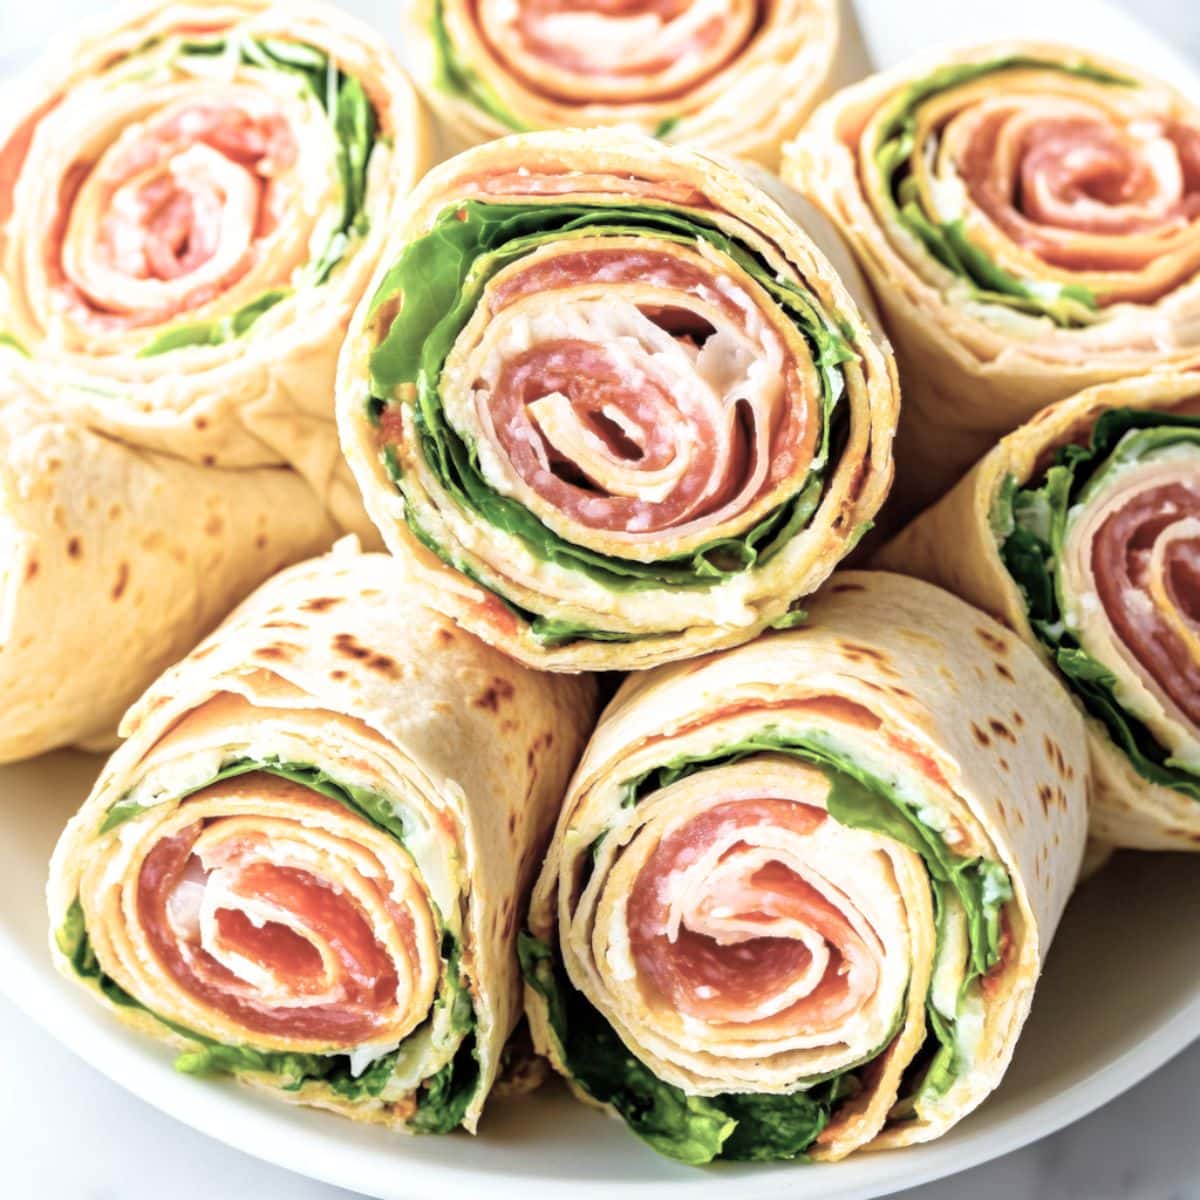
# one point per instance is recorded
(122, 580)
(445, 635)
(213, 525)
(1055, 755)
(980, 735)
(200, 422)
(209, 460)
(349, 645)
(260, 541)
(1046, 797)
(74, 548)
(1017, 719)
(858, 650)
(278, 651)
(337, 673)
(1001, 730)
(497, 691)
(320, 604)
(996, 644)
(1004, 673)
(839, 589)
(31, 569)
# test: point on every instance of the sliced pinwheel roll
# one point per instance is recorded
(611, 399)
(732, 75)
(800, 892)
(292, 872)
(193, 199)
(1081, 531)
(1030, 219)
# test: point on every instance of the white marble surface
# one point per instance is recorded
(63, 1127)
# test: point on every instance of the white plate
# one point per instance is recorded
(1119, 997)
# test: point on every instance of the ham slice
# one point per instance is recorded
(620, 51)
(1132, 567)
(248, 926)
(173, 214)
(1050, 173)
(757, 946)
(637, 387)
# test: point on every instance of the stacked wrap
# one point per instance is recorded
(612, 402)
(293, 872)
(1030, 220)
(1081, 531)
(732, 75)
(191, 203)
(800, 892)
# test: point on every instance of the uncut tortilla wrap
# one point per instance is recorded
(743, 94)
(84, 300)
(897, 679)
(114, 560)
(512, 590)
(973, 370)
(335, 666)
(953, 544)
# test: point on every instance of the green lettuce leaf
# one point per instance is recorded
(213, 333)
(1067, 305)
(691, 1129)
(442, 276)
(1030, 525)
(456, 78)
(376, 807)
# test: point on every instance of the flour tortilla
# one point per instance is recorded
(335, 664)
(964, 696)
(952, 544)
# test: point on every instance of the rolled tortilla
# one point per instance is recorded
(192, 199)
(732, 75)
(800, 892)
(612, 401)
(1029, 217)
(1080, 531)
(292, 871)
(114, 560)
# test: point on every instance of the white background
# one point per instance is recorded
(65, 1130)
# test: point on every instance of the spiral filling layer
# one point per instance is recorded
(183, 190)
(1105, 545)
(627, 407)
(1050, 187)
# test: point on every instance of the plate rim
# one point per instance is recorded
(91, 1035)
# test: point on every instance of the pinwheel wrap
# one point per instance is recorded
(294, 871)
(800, 892)
(612, 401)
(1081, 531)
(1029, 217)
(193, 201)
(732, 75)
